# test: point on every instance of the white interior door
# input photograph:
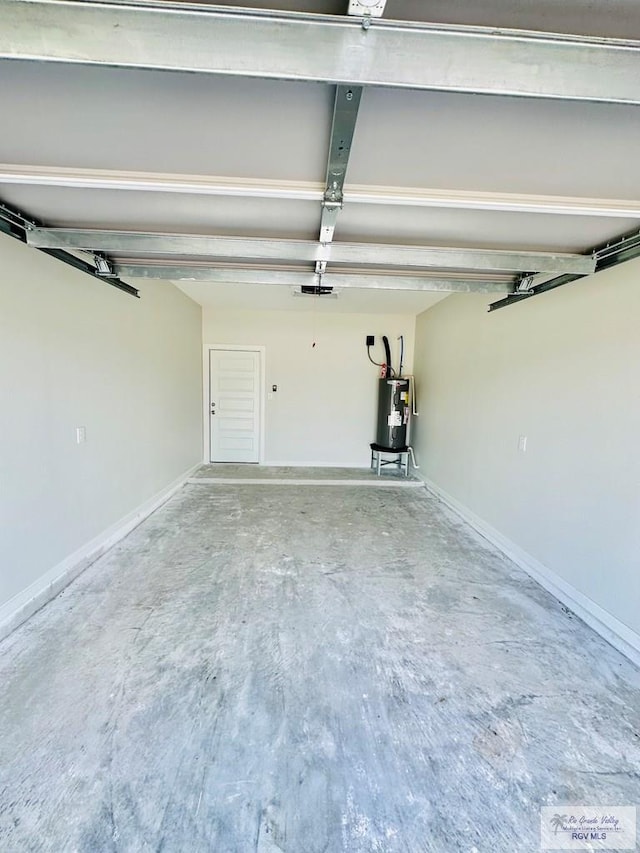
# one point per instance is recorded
(234, 405)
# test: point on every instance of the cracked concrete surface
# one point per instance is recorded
(304, 669)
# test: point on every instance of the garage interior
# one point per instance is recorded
(264, 645)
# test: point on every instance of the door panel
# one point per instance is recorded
(234, 384)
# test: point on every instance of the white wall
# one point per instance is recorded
(324, 410)
(563, 369)
(76, 352)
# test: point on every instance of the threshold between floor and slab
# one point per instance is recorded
(223, 473)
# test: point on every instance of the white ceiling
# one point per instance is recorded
(266, 297)
(177, 124)
(168, 212)
(245, 128)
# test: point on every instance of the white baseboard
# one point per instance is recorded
(619, 635)
(23, 605)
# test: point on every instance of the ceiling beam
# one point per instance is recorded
(330, 49)
(111, 179)
(288, 278)
(308, 251)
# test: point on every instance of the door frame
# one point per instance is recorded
(206, 385)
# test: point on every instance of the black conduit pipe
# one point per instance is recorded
(385, 341)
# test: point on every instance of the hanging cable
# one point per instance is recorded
(377, 364)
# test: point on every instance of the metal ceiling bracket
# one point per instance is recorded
(525, 284)
(328, 221)
(518, 296)
(103, 267)
(14, 224)
(319, 289)
(607, 255)
(345, 115)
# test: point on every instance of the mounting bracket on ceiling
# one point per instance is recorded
(328, 220)
(317, 289)
(345, 114)
(607, 255)
(15, 224)
(525, 283)
(103, 267)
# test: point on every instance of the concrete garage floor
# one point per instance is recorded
(307, 669)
